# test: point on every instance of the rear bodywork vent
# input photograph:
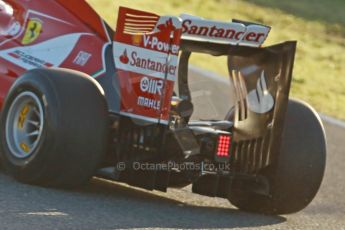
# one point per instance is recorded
(241, 92)
(250, 156)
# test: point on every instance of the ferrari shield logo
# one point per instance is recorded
(33, 31)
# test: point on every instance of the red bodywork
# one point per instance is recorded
(67, 34)
(70, 34)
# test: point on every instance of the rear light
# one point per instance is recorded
(223, 147)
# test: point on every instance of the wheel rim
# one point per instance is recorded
(24, 125)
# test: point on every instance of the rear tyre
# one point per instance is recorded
(298, 172)
(54, 128)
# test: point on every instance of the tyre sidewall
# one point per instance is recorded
(35, 163)
(75, 136)
(296, 174)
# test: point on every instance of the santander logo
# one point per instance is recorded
(229, 32)
(167, 27)
(138, 59)
(124, 57)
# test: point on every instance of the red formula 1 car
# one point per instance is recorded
(79, 99)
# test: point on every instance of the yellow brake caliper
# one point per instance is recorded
(21, 120)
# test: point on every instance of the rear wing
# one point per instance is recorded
(146, 50)
(234, 33)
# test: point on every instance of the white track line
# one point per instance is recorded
(209, 74)
(212, 75)
(332, 120)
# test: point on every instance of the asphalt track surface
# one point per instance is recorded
(107, 205)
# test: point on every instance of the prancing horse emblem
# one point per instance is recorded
(33, 31)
